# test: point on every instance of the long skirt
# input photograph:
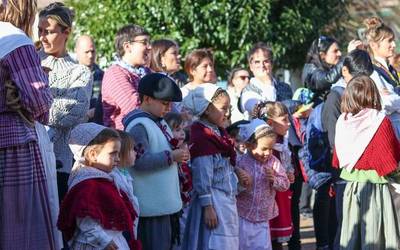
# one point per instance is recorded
(281, 226)
(225, 236)
(369, 220)
(25, 217)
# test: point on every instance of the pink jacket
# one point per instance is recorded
(258, 203)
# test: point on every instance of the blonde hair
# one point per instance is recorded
(20, 13)
(376, 31)
(127, 144)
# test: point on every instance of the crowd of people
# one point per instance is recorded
(146, 156)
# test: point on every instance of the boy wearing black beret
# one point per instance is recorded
(155, 171)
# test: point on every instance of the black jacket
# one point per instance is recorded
(319, 80)
(331, 112)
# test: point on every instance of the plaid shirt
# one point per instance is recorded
(22, 66)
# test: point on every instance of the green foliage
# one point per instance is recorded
(228, 27)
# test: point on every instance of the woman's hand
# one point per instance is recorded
(354, 44)
(12, 96)
(290, 176)
(210, 217)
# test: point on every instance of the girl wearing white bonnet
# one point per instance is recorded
(213, 220)
(94, 213)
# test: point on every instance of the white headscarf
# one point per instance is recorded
(80, 137)
(247, 130)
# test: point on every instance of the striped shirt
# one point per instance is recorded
(119, 95)
(22, 66)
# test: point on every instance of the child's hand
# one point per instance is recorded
(270, 175)
(210, 217)
(111, 246)
(245, 179)
(180, 155)
(290, 176)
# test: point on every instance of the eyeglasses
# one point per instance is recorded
(145, 42)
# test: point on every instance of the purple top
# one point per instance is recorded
(22, 66)
(258, 203)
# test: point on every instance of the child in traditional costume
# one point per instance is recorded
(212, 222)
(95, 213)
(368, 152)
(257, 205)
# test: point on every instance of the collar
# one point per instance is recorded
(84, 173)
(140, 71)
(261, 85)
(340, 83)
(11, 38)
(382, 62)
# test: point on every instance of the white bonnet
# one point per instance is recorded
(247, 130)
(198, 99)
(80, 137)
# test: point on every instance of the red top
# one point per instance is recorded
(382, 153)
(100, 200)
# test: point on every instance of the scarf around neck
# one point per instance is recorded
(354, 133)
(206, 142)
(140, 71)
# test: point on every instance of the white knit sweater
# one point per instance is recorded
(71, 86)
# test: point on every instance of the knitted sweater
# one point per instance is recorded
(382, 154)
(71, 87)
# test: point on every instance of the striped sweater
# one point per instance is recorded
(119, 95)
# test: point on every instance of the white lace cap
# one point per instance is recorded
(80, 137)
(198, 99)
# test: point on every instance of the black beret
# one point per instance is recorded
(160, 87)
